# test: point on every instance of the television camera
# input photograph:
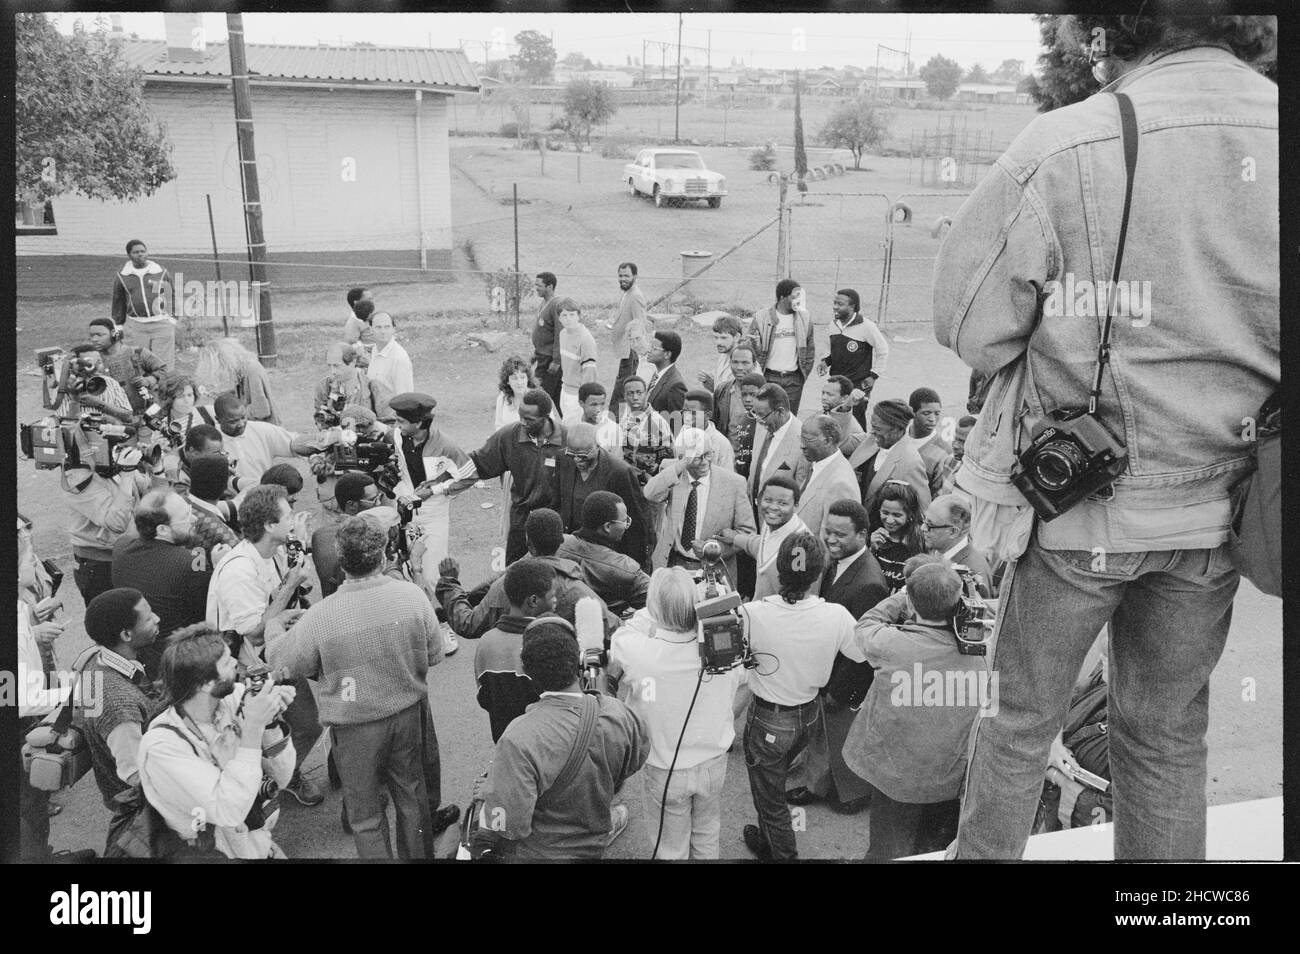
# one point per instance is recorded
(91, 442)
(330, 413)
(723, 630)
(365, 453)
(974, 618)
(295, 552)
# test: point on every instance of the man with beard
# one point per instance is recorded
(165, 566)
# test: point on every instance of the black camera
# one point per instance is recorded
(723, 631)
(1072, 456)
(295, 552)
(330, 413)
(973, 619)
(407, 530)
(374, 457)
(93, 385)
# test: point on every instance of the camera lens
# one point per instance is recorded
(1056, 465)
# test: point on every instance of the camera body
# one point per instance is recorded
(973, 620)
(295, 552)
(723, 631)
(1072, 456)
(107, 448)
(374, 457)
(330, 413)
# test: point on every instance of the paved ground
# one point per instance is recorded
(1245, 729)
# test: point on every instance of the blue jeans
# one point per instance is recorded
(693, 812)
(1168, 613)
(772, 740)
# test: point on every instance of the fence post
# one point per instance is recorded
(515, 187)
(782, 232)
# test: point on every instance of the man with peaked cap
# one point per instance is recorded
(427, 459)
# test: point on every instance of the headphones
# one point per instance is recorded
(560, 620)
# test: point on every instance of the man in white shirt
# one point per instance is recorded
(253, 446)
(390, 365)
(798, 636)
(594, 400)
(786, 350)
(697, 411)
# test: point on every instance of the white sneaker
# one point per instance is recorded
(449, 642)
(618, 818)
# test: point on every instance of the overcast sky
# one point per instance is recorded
(775, 41)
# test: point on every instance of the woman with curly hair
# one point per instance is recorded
(226, 365)
(515, 378)
(178, 396)
(895, 514)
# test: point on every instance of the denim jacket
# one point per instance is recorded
(1200, 349)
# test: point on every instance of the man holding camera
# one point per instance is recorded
(87, 387)
(372, 669)
(132, 367)
(1149, 426)
(249, 588)
(795, 638)
(212, 761)
(253, 446)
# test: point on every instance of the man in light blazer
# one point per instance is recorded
(776, 439)
(824, 475)
(720, 503)
(885, 456)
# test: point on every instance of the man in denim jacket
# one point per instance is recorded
(1196, 351)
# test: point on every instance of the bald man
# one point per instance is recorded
(585, 468)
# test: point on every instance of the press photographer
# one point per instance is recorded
(134, 368)
(213, 760)
(86, 385)
(1142, 405)
(364, 448)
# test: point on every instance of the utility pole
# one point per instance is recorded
(266, 351)
(677, 103)
(708, 70)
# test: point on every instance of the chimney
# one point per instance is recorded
(186, 42)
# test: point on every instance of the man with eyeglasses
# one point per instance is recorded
(616, 577)
(355, 492)
(587, 468)
(776, 440)
(946, 529)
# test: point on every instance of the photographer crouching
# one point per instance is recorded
(216, 754)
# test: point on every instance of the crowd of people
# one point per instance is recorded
(230, 633)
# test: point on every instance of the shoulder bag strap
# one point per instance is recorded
(64, 718)
(1128, 135)
(188, 740)
(586, 730)
(203, 413)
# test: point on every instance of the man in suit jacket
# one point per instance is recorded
(667, 388)
(925, 437)
(720, 503)
(854, 580)
(776, 440)
(946, 529)
(586, 468)
(884, 455)
(824, 475)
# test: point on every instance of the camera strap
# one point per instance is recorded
(1128, 135)
(586, 730)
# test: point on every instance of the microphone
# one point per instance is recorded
(589, 622)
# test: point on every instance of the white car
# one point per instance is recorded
(673, 176)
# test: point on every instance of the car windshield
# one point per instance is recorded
(677, 161)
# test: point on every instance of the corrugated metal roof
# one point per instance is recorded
(377, 65)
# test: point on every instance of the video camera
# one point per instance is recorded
(330, 413)
(974, 618)
(377, 458)
(724, 632)
(107, 448)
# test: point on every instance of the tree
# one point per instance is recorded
(586, 104)
(976, 74)
(536, 56)
(80, 118)
(800, 155)
(941, 76)
(577, 61)
(1064, 76)
(1011, 71)
(856, 126)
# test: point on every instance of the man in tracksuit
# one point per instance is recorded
(142, 294)
(858, 349)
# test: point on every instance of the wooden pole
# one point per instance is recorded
(266, 351)
(782, 250)
(517, 289)
(677, 100)
(216, 262)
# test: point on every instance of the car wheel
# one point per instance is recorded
(660, 201)
(631, 188)
(715, 202)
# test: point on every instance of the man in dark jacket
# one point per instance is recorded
(142, 297)
(587, 468)
(616, 577)
(504, 691)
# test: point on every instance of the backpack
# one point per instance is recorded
(137, 830)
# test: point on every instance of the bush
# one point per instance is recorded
(763, 160)
(613, 148)
(510, 130)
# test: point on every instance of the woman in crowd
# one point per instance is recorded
(515, 378)
(179, 398)
(226, 365)
(895, 514)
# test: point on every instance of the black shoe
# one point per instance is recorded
(800, 796)
(756, 843)
(444, 818)
(67, 857)
(852, 807)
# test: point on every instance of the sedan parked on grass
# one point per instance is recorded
(673, 176)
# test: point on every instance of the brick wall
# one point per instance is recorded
(338, 183)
